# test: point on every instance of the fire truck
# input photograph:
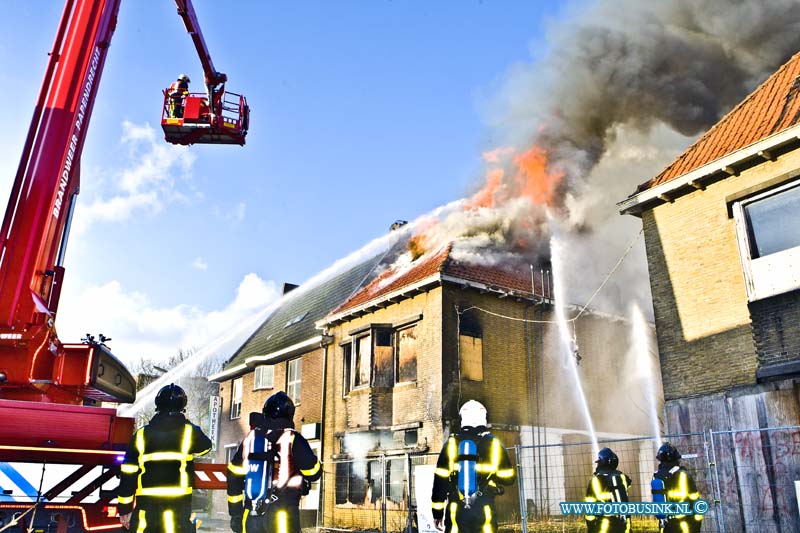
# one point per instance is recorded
(60, 449)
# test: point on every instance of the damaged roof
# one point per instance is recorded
(436, 267)
(293, 322)
(773, 107)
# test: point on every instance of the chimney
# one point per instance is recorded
(397, 224)
(287, 288)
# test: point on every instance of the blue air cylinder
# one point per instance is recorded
(259, 473)
(467, 475)
(659, 493)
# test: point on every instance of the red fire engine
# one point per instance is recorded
(50, 390)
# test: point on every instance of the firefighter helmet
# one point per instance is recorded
(184, 77)
(668, 453)
(171, 399)
(473, 414)
(608, 458)
(279, 405)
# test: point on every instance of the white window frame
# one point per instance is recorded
(773, 274)
(356, 357)
(236, 402)
(294, 387)
(258, 377)
(230, 451)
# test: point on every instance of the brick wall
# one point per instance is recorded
(703, 322)
(776, 330)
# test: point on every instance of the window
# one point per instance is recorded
(768, 230)
(264, 378)
(471, 349)
(407, 354)
(362, 362)
(383, 366)
(230, 451)
(295, 320)
(347, 359)
(236, 398)
(293, 375)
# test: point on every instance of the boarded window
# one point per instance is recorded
(407, 354)
(363, 360)
(471, 349)
(383, 374)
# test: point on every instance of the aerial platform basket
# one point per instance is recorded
(198, 125)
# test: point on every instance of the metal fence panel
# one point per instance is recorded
(757, 472)
(561, 471)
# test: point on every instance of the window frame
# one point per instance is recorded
(758, 284)
(256, 385)
(347, 368)
(236, 406)
(356, 360)
(397, 333)
(297, 382)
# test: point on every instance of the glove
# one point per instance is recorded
(236, 524)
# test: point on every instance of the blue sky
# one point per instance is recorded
(362, 113)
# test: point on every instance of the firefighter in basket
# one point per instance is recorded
(608, 485)
(472, 467)
(272, 468)
(177, 92)
(155, 492)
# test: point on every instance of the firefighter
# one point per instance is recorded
(672, 483)
(177, 92)
(158, 468)
(471, 467)
(608, 485)
(272, 468)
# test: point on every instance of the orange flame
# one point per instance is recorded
(532, 177)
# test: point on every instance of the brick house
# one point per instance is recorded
(286, 352)
(422, 338)
(722, 232)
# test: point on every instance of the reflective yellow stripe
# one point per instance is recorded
(698, 517)
(164, 491)
(495, 455)
(235, 499)
(140, 449)
(169, 522)
(590, 499)
(122, 500)
(487, 524)
(589, 517)
(283, 527)
(684, 527)
(129, 469)
(438, 506)
(311, 471)
(683, 488)
(244, 520)
(453, 508)
(694, 495)
(598, 491)
(451, 452)
(237, 470)
(186, 446)
(166, 456)
(142, 523)
(604, 525)
(506, 473)
(442, 472)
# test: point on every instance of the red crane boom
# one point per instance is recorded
(48, 388)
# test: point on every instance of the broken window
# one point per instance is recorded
(347, 359)
(383, 374)
(768, 230)
(407, 354)
(362, 362)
